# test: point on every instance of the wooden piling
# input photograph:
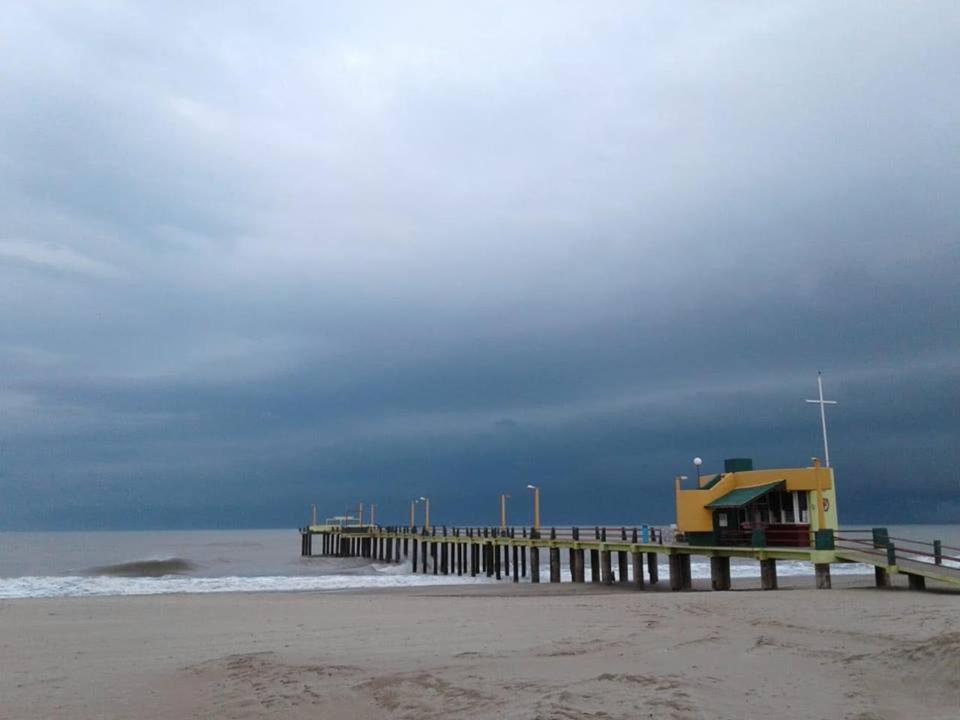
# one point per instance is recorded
(606, 571)
(414, 555)
(443, 557)
(516, 565)
(676, 572)
(433, 557)
(506, 560)
(881, 576)
(768, 574)
(534, 564)
(720, 573)
(823, 576)
(622, 566)
(554, 564)
(637, 558)
(523, 558)
(495, 549)
(595, 565)
(653, 568)
(577, 570)
(916, 582)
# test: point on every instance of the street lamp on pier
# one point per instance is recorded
(536, 506)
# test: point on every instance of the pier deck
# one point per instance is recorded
(620, 555)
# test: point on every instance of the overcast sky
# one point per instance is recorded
(254, 256)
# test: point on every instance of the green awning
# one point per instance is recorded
(742, 496)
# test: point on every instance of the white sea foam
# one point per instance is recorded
(100, 585)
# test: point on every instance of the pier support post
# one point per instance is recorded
(823, 576)
(534, 564)
(676, 572)
(406, 548)
(495, 549)
(577, 568)
(554, 564)
(606, 571)
(423, 556)
(916, 582)
(768, 574)
(414, 556)
(720, 573)
(523, 560)
(637, 558)
(881, 576)
(594, 566)
(653, 568)
(622, 563)
(443, 557)
(433, 557)
(506, 560)
(516, 565)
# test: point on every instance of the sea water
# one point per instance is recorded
(60, 564)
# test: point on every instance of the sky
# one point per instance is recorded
(255, 256)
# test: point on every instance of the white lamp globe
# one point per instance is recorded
(698, 461)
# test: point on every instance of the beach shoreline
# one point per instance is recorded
(487, 650)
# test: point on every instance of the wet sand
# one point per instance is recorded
(486, 652)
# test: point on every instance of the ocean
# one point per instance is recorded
(74, 564)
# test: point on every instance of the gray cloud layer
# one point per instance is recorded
(253, 257)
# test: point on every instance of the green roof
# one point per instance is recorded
(741, 496)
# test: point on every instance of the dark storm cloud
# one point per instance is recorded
(255, 258)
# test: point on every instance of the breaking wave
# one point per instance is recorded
(145, 568)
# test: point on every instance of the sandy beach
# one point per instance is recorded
(486, 652)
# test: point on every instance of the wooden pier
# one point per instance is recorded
(627, 557)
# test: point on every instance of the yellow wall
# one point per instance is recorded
(694, 516)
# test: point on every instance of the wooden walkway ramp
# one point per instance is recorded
(918, 560)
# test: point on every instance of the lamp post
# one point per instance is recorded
(413, 513)
(426, 512)
(360, 520)
(373, 511)
(536, 506)
(698, 462)
(503, 510)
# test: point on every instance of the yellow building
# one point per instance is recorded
(741, 506)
